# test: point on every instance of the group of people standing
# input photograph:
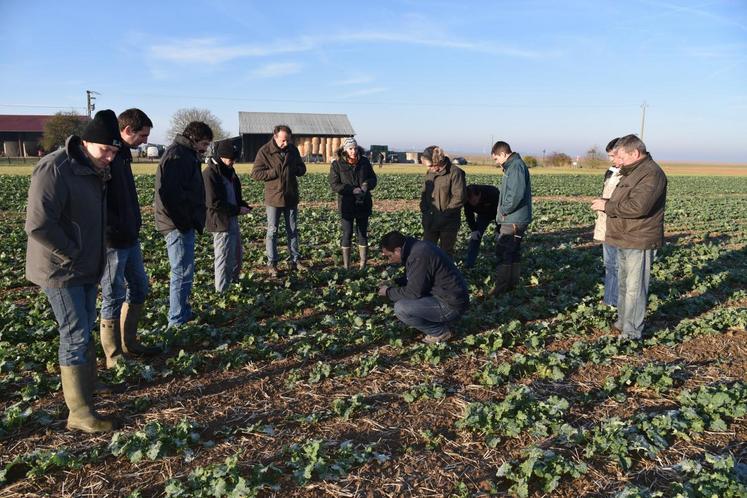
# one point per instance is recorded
(83, 223)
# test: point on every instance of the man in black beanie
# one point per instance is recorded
(65, 253)
(179, 204)
(224, 205)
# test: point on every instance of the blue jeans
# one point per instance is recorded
(633, 274)
(610, 274)
(473, 248)
(124, 279)
(227, 254)
(181, 249)
(75, 311)
(427, 314)
(291, 231)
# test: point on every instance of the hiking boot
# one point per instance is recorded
(435, 339)
(128, 320)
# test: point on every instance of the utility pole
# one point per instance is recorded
(643, 117)
(90, 106)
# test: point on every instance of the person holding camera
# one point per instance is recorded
(352, 178)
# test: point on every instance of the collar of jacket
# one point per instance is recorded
(626, 170)
(184, 142)
(510, 160)
(274, 149)
(224, 170)
(78, 159)
(445, 170)
(407, 248)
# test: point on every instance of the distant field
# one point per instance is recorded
(671, 168)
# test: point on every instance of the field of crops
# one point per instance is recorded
(308, 386)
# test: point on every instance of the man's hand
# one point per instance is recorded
(244, 210)
(475, 235)
(382, 290)
(598, 204)
(357, 191)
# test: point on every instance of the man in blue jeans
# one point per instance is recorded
(278, 164)
(433, 293)
(179, 204)
(124, 284)
(65, 253)
(635, 226)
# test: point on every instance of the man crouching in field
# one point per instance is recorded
(635, 226)
(433, 292)
(65, 255)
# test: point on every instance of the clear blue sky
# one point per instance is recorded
(559, 76)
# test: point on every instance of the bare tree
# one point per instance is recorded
(594, 158)
(183, 117)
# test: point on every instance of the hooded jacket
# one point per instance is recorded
(217, 178)
(430, 272)
(442, 198)
(65, 220)
(516, 193)
(635, 211)
(179, 199)
(123, 220)
(345, 177)
(279, 169)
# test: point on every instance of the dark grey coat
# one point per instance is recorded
(65, 220)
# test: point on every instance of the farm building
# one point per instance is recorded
(317, 136)
(21, 134)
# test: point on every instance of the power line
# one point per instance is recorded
(411, 104)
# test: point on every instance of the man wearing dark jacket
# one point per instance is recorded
(124, 284)
(224, 205)
(480, 211)
(352, 178)
(66, 253)
(635, 226)
(514, 216)
(278, 163)
(433, 293)
(180, 211)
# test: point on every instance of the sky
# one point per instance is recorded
(540, 75)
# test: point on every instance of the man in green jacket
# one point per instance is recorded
(514, 215)
(635, 226)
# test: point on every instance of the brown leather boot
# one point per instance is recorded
(110, 341)
(128, 320)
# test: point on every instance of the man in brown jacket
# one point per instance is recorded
(278, 163)
(635, 226)
(441, 199)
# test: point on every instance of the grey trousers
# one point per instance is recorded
(633, 274)
(228, 254)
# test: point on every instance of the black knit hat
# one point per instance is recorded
(226, 149)
(103, 129)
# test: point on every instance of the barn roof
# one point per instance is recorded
(300, 123)
(25, 122)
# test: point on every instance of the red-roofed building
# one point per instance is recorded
(21, 134)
